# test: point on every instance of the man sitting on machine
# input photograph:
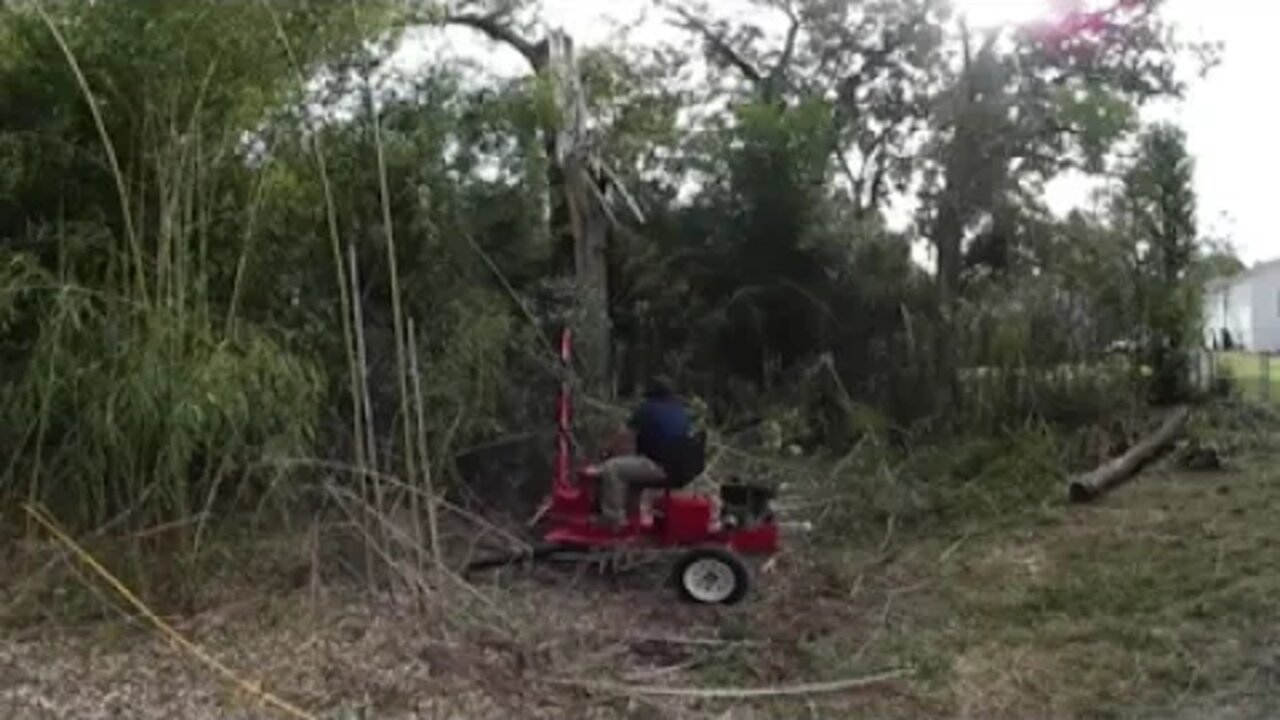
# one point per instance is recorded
(656, 450)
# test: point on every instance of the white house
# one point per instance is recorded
(1243, 312)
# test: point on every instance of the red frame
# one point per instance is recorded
(678, 519)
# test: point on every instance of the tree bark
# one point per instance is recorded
(1092, 485)
(590, 222)
(580, 219)
(948, 231)
(948, 239)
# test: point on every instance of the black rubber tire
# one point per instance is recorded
(741, 575)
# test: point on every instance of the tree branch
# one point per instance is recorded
(491, 25)
(778, 74)
(716, 43)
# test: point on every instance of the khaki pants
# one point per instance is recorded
(617, 475)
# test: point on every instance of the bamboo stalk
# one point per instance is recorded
(415, 499)
(367, 442)
(246, 248)
(108, 146)
(335, 245)
(393, 273)
(253, 689)
(428, 484)
(819, 688)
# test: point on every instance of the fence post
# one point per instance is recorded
(1264, 376)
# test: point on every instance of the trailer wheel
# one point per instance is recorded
(712, 576)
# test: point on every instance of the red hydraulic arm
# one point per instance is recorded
(564, 416)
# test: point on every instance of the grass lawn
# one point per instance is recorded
(1160, 601)
(1246, 371)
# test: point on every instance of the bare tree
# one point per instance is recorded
(586, 197)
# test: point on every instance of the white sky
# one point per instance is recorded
(1230, 116)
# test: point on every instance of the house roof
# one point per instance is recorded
(1257, 269)
(1221, 283)
(1263, 267)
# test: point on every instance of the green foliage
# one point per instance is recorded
(449, 223)
(116, 408)
(120, 392)
(1159, 205)
(979, 477)
(160, 72)
(200, 280)
(753, 249)
(546, 108)
(1023, 109)
(994, 477)
(1100, 116)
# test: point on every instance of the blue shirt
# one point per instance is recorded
(656, 423)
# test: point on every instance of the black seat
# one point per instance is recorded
(684, 462)
(687, 460)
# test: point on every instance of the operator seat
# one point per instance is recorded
(686, 459)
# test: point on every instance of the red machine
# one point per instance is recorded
(709, 535)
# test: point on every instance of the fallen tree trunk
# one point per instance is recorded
(1092, 485)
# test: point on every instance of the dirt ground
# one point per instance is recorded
(1162, 601)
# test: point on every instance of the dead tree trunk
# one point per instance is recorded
(585, 197)
(580, 187)
(1092, 485)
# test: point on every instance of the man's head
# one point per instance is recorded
(658, 388)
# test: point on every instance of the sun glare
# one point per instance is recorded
(989, 13)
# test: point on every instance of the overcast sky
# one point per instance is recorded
(1229, 116)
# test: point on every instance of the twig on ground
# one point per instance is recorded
(689, 641)
(844, 462)
(879, 629)
(884, 616)
(393, 533)
(599, 657)
(167, 527)
(856, 590)
(955, 546)
(820, 688)
(29, 584)
(668, 670)
(393, 482)
(888, 533)
(253, 689)
(786, 505)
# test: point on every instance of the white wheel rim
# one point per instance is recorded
(709, 580)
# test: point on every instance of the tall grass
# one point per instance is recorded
(120, 406)
(133, 385)
(1070, 395)
(120, 394)
(360, 442)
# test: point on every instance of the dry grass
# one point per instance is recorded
(1161, 601)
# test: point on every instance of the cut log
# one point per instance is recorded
(1092, 485)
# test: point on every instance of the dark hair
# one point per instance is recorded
(658, 388)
